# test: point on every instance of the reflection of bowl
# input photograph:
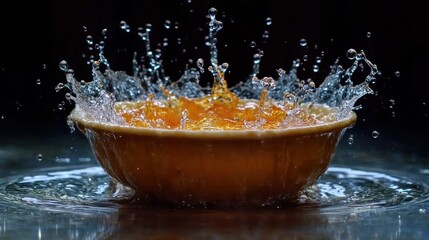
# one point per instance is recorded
(231, 167)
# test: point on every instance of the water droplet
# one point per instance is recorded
(368, 34)
(256, 58)
(61, 105)
(2, 116)
(200, 64)
(44, 66)
(266, 34)
(124, 26)
(104, 32)
(305, 58)
(350, 140)
(297, 63)
(224, 67)
(315, 68)
(268, 21)
(148, 27)
(165, 42)
(351, 54)
(68, 96)
(318, 59)
(70, 72)
(252, 44)
(38, 82)
(361, 67)
(39, 157)
(141, 33)
(59, 87)
(375, 134)
(303, 42)
(64, 65)
(84, 28)
(167, 24)
(212, 13)
(397, 73)
(89, 40)
(207, 41)
(18, 105)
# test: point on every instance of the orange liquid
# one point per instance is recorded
(221, 110)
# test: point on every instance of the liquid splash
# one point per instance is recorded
(257, 103)
(90, 190)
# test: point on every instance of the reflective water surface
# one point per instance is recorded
(369, 192)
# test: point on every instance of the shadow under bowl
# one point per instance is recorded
(216, 168)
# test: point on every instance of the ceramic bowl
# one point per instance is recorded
(219, 168)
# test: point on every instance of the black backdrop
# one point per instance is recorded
(36, 36)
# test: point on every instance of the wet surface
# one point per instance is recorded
(370, 192)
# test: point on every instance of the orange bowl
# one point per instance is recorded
(220, 168)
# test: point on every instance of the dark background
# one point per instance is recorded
(36, 36)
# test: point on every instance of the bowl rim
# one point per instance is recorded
(83, 124)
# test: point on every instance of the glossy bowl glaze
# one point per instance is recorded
(214, 168)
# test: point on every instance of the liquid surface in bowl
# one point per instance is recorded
(221, 110)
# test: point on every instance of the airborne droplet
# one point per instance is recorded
(89, 40)
(305, 58)
(212, 13)
(256, 58)
(315, 68)
(124, 26)
(350, 140)
(64, 65)
(397, 73)
(269, 21)
(59, 87)
(224, 67)
(167, 24)
(351, 54)
(200, 64)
